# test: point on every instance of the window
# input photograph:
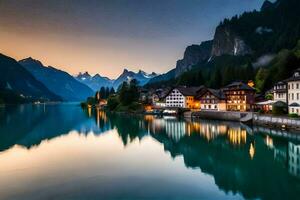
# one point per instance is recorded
(297, 85)
(297, 96)
(289, 87)
(292, 86)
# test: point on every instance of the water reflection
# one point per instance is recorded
(242, 160)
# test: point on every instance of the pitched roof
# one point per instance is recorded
(238, 86)
(189, 91)
(294, 78)
(186, 91)
(217, 93)
(294, 105)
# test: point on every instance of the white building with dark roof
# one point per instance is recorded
(183, 97)
(293, 85)
(212, 100)
(280, 92)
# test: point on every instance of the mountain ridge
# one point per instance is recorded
(97, 81)
(18, 84)
(58, 81)
(248, 37)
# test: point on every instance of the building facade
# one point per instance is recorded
(212, 100)
(239, 97)
(280, 92)
(183, 97)
(293, 85)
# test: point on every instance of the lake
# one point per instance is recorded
(64, 152)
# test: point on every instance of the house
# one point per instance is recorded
(293, 84)
(212, 100)
(239, 97)
(183, 97)
(280, 92)
(158, 97)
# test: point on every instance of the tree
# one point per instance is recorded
(106, 93)
(112, 102)
(102, 92)
(123, 95)
(249, 72)
(133, 92)
(112, 91)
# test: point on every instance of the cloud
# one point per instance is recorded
(261, 30)
(263, 60)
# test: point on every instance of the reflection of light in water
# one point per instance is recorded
(209, 131)
(175, 130)
(269, 141)
(102, 115)
(294, 159)
(237, 136)
(149, 117)
(89, 111)
(251, 151)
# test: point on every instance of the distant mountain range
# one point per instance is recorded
(59, 82)
(18, 85)
(96, 82)
(29, 80)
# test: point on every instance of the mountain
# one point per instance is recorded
(193, 55)
(238, 45)
(59, 82)
(276, 26)
(19, 85)
(228, 42)
(162, 78)
(141, 76)
(94, 82)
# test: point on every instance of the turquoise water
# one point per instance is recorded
(64, 152)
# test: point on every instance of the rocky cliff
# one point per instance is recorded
(227, 42)
(193, 55)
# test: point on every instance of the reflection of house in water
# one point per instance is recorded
(294, 159)
(210, 130)
(155, 125)
(176, 129)
(237, 136)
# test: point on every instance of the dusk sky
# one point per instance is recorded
(105, 36)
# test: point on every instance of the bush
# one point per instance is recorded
(293, 115)
(279, 108)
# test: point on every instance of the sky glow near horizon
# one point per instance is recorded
(107, 36)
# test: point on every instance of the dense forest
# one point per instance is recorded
(273, 32)
(224, 69)
(275, 27)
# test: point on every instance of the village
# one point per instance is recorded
(238, 97)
